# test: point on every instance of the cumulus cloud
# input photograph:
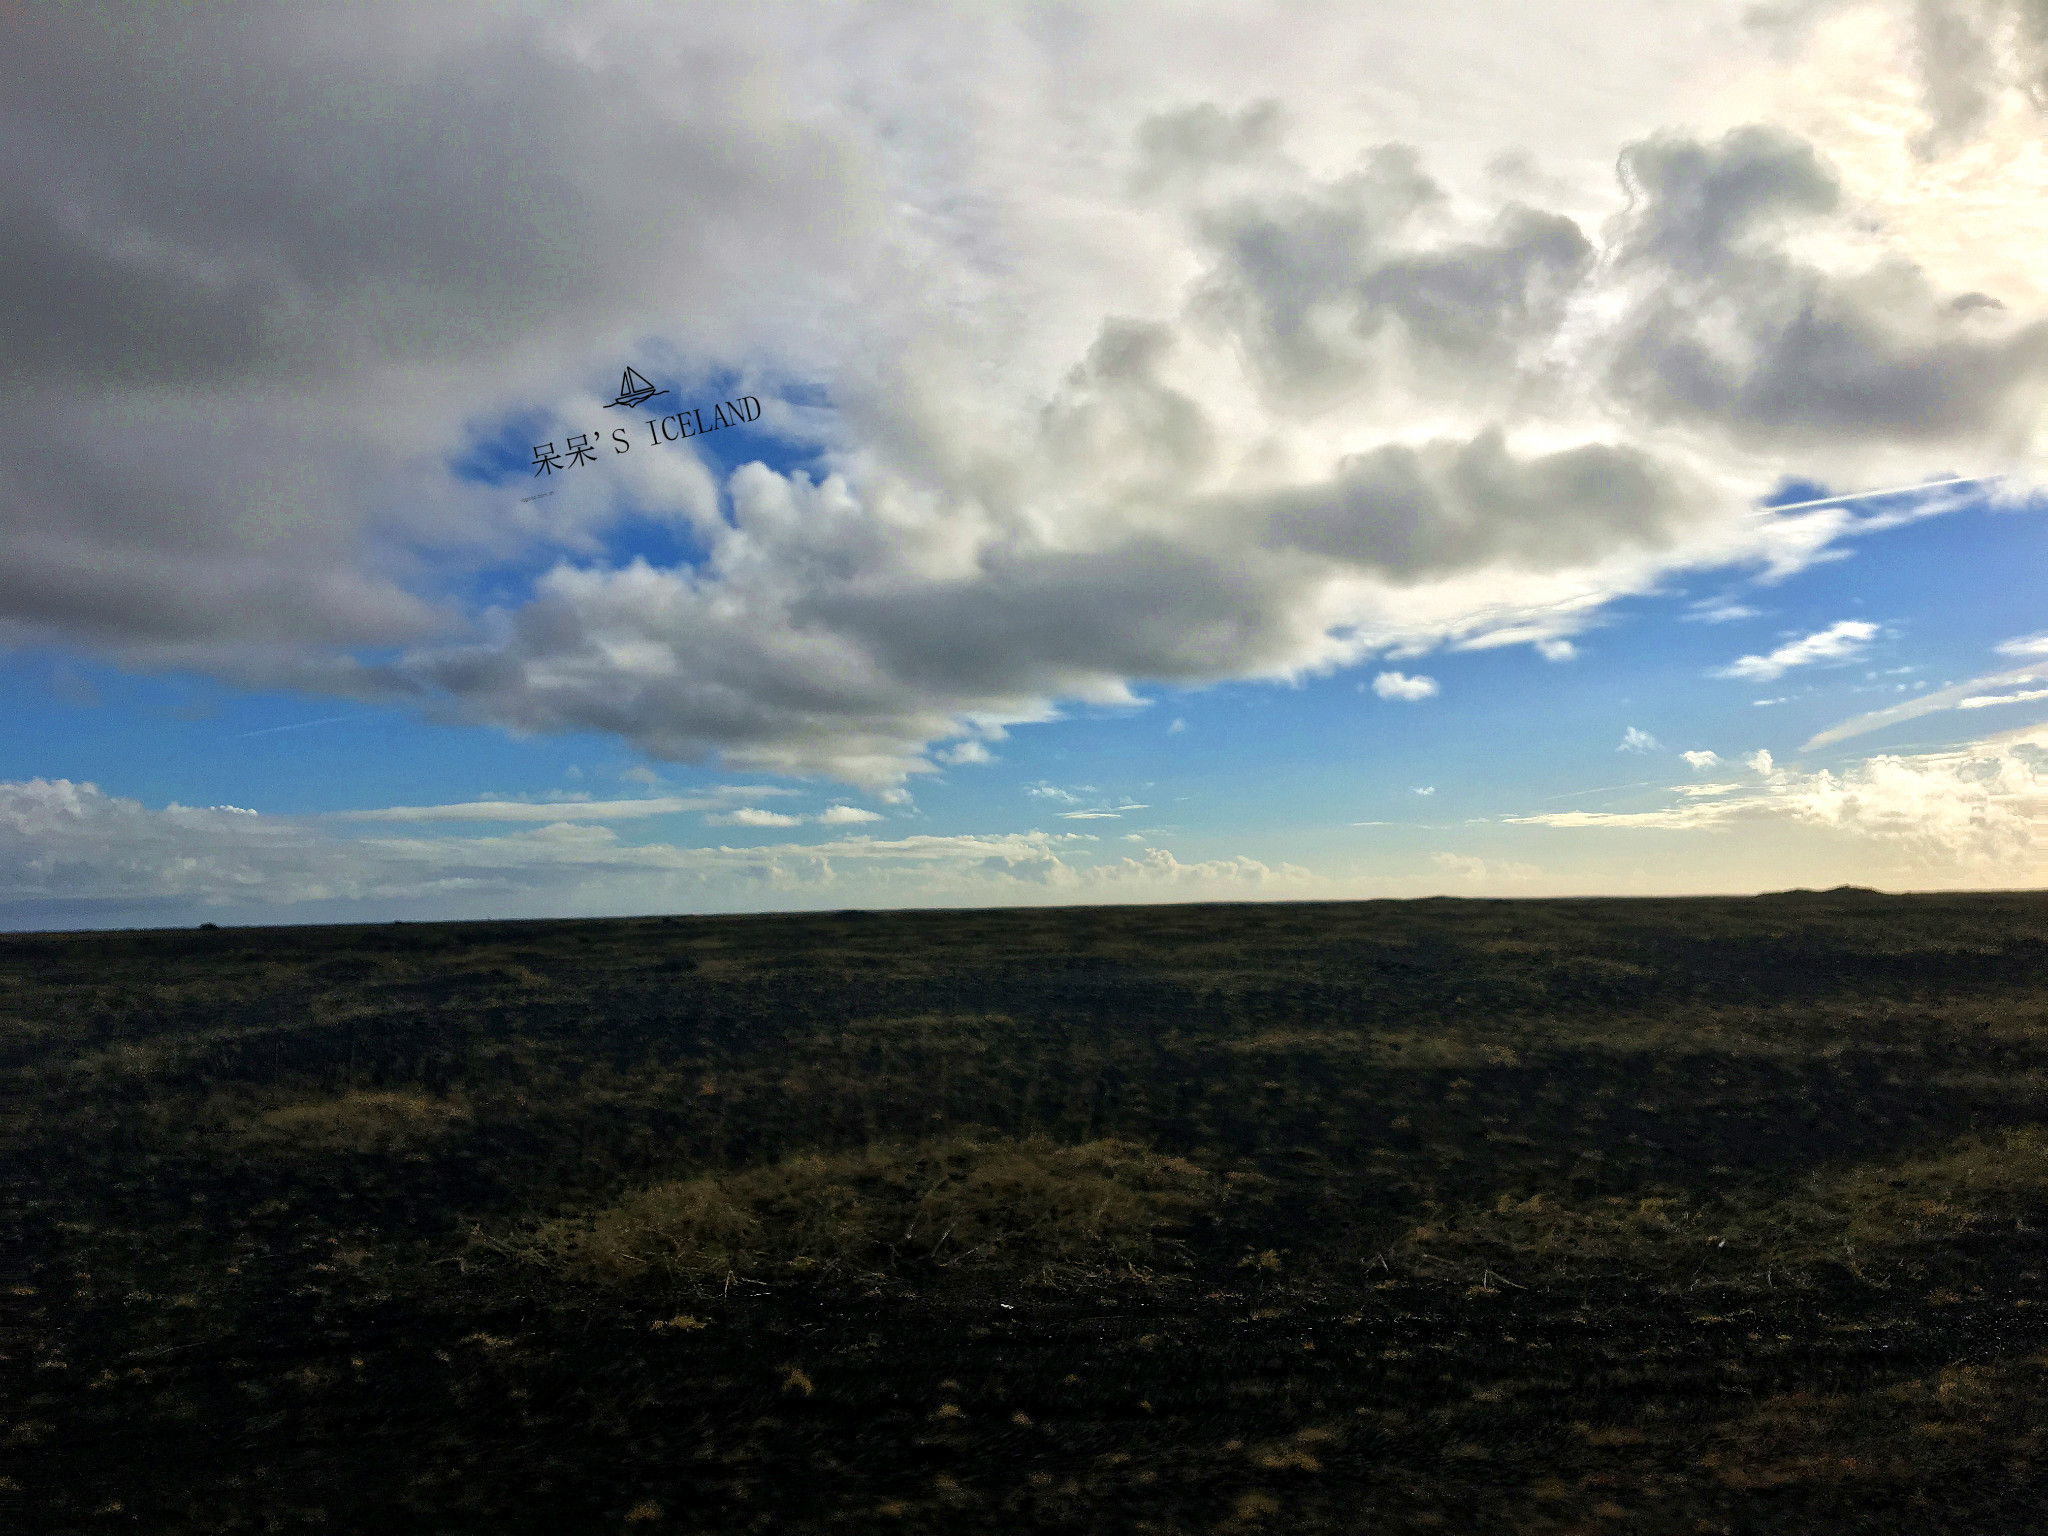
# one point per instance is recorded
(1839, 641)
(1635, 739)
(845, 815)
(1745, 338)
(1396, 685)
(1700, 762)
(1127, 374)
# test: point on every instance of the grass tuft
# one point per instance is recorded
(362, 1120)
(1029, 1208)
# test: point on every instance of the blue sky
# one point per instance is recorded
(1203, 481)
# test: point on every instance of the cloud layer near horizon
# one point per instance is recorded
(1275, 385)
(72, 848)
(69, 852)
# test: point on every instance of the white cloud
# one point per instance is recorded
(845, 815)
(1719, 610)
(1426, 789)
(1088, 815)
(1986, 700)
(1700, 762)
(1948, 696)
(1556, 650)
(1478, 870)
(1638, 740)
(752, 816)
(2023, 645)
(69, 851)
(521, 810)
(1177, 727)
(965, 752)
(1394, 685)
(1051, 792)
(1159, 382)
(1837, 642)
(1982, 808)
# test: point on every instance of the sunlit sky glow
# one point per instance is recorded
(1207, 453)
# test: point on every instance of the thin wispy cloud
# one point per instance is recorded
(752, 816)
(1840, 641)
(1987, 700)
(521, 810)
(1719, 611)
(1997, 686)
(303, 725)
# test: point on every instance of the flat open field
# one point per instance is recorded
(1617, 1216)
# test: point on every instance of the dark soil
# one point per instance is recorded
(264, 1191)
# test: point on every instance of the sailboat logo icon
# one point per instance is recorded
(634, 390)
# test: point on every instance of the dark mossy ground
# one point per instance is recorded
(1633, 1216)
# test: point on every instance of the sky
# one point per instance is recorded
(1135, 452)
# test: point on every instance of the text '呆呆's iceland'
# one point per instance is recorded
(673, 428)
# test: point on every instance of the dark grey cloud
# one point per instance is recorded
(1118, 422)
(264, 261)
(1411, 513)
(1185, 145)
(1957, 73)
(1308, 280)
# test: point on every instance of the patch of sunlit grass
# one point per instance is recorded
(361, 1120)
(1844, 1215)
(1029, 1207)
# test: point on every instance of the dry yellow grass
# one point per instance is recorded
(364, 1119)
(1845, 1214)
(1030, 1207)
